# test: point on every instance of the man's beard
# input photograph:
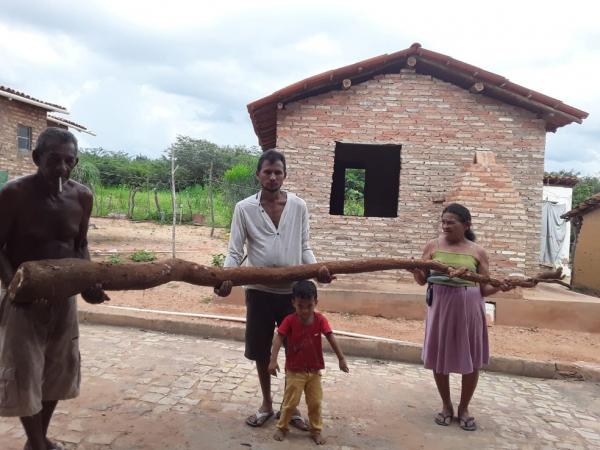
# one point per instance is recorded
(272, 190)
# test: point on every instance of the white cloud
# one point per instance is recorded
(139, 73)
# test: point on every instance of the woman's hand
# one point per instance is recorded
(506, 285)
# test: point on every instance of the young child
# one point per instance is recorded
(303, 359)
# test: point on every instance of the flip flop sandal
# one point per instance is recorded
(296, 421)
(55, 446)
(444, 419)
(259, 418)
(467, 423)
(299, 422)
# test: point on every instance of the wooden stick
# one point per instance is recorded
(56, 279)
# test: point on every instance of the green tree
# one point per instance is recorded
(585, 187)
(86, 173)
(194, 157)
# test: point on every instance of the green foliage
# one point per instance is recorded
(120, 168)
(584, 189)
(354, 192)
(114, 259)
(142, 256)
(218, 260)
(239, 182)
(194, 158)
(86, 173)
(120, 174)
(192, 200)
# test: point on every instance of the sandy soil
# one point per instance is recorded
(113, 236)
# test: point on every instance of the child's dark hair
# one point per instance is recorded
(304, 289)
(272, 156)
(464, 215)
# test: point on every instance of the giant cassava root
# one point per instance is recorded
(54, 279)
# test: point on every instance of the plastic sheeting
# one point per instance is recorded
(553, 233)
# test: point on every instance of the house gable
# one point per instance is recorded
(555, 114)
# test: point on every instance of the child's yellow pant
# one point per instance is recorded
(310, 384)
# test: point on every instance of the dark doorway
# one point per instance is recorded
(380, 167)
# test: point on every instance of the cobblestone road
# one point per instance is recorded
(147, 390)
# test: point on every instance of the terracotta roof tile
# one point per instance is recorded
(28, 97)
(560, 180)
(584, 207)
(263, 112)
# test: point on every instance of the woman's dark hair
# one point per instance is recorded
(51, 137)
(272, 156)
(304, 289)
(463, 215)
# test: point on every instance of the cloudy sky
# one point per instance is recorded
(138, 73)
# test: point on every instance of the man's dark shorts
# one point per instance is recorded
(263, 311)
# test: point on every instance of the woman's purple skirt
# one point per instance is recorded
(456, 338)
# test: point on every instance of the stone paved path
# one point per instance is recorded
(147, 390)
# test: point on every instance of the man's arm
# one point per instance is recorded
(273, 365)
(308, 257)
(237, 239)
(338, 351)
(7, 206)
(235, 252)
(94, 294)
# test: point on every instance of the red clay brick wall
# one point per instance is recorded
(486, 188)
(13, 113)
(440, 126)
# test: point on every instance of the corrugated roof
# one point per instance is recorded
(263, 112)
(584, 207)
(16, 95)
(560, 180)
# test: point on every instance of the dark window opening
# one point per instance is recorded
(23, 138)
(367, 174)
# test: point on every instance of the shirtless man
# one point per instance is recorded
(272, 225)
(43, 216)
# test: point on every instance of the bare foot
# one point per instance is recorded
(279, 434)
(319, 440)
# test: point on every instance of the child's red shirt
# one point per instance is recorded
(304, 352)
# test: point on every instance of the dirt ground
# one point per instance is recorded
(113, 236)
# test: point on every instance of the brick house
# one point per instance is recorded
(586, 264)
(425, 129)
(22, 119)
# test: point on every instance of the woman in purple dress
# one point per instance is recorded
(456, 339)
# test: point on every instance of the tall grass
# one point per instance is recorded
(194, 200)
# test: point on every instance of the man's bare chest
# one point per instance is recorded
(49, 219)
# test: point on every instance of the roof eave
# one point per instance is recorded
(554, 112)
(30, 101)
(69, 124)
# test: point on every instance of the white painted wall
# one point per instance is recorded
(561, 195)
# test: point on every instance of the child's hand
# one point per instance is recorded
(273, 368)
(344, 365)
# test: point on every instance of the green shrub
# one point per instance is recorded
(142, 256)
(114, 259)
(218, 260)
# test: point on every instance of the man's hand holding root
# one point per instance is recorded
(95, 295)
(224, 289)
(323, 276)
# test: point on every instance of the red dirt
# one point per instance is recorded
(195, 244)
